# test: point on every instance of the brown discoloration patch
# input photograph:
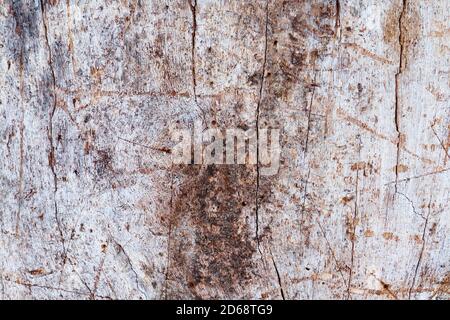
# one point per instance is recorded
(433, 228)
(368, 233)
(438, 95)
(358, 166)
(367, 168)
(400, 168)
(347, 199)
(37, 272)
(288, 57)
(103, 162)
(321, 25)
(390, 28)
(417, 238)
(402, 28)
(390, 236)
(212, 247)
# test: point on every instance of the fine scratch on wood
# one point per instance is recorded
(419, 260)
(367, 53)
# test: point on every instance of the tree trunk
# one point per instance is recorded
(92, 207)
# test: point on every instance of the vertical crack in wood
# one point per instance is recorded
(258, 107)
(193, 6)
(52, 156)
(22, 123)
(338, 20)
(401, 68)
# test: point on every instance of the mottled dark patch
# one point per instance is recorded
(26, 24)
(212, 246)
(297, 58)
(60, 60)
(146, 55)
(320, 21)
(254, 79)
(360, 88)
(27, 19)
(291, 59)
(103, 162)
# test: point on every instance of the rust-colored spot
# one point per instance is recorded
(347, 199)
(89, 138)
(146, 170)
(368, 233)
(264, 295)
(433, 228)
(391, 25)
(37, 272)
(417, 238)
(87, 147)
(51, 159)
(164, 149)
(390, 236)
(400, 168)
(358, 166)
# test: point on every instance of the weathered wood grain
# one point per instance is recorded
(91, 206)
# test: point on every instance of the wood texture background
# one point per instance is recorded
(90, 207)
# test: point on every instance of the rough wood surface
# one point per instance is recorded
(91, 206)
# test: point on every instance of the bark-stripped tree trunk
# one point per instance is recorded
(91, 206)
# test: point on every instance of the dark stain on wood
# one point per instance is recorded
(212, 245)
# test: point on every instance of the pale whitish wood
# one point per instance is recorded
(91, 208)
